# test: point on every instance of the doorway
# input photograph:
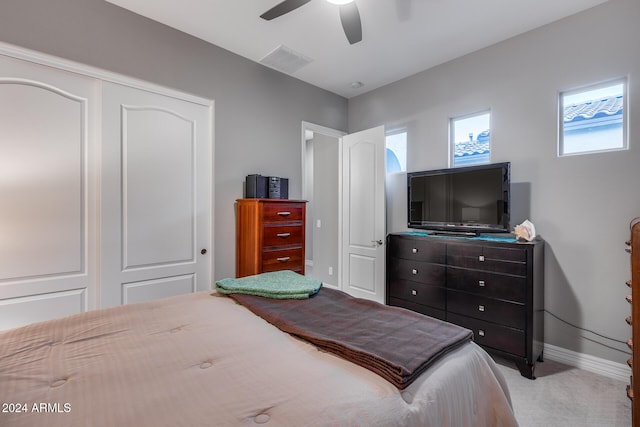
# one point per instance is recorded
(343, 182)
(321, 183)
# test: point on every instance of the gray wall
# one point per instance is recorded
(258, 111)
(581, 205)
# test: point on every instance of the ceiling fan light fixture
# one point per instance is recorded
(349, 15)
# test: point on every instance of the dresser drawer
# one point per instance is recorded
(489, 309)
(417, 271)
(491, 252)
(278, 235)
(418, 308)
(281, 212)
(417, 249)
(282, 259)
(488, 258)
(433, 296)
(491, 335)
(501, 286)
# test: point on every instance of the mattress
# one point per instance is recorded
(203, 360)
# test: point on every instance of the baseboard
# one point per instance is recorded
(607, 368)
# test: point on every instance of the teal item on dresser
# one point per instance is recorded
(500, 237)
(284, 284)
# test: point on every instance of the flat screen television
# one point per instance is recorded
(464, 200)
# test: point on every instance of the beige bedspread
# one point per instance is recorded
(203, 360)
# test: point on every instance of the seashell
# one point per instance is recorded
(525, 231)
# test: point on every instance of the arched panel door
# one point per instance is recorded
(363, 214)
(47, 192)
(156, 196)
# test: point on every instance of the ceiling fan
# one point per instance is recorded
(349, 15)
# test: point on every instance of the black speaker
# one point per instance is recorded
(278, 188)
(256, 187)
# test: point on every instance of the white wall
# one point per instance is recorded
(581, 205)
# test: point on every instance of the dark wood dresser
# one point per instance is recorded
(494, 288)
(270, 235)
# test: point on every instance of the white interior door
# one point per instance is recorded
(363, 214)
(47, 192)
(156, 196)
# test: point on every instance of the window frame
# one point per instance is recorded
(624, 81)
(452, 135)
(392, 132)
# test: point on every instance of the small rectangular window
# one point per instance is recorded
(593, 119)
(396, 142)
(471, 139)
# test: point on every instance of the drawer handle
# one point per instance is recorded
(481, 283)
(481, 258)
(284, 213)
(414, 271)
(481, 308)
(414, 292)
(284, 258)
(414, 250)
(283, 234)
(481, 332)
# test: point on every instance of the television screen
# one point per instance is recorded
(470, 199)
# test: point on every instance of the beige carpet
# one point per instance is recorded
(565, 396)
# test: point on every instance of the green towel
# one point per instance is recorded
(285, 284)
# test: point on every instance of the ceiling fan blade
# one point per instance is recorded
(281, 8)
(350, 18)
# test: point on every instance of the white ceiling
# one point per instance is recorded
(399, 37)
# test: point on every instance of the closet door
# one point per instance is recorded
(156, 196)
(47, 192)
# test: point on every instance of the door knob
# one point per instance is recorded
(378, 242)
(204, 251)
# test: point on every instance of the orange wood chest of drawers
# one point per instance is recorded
(270, 235)
(633, 388)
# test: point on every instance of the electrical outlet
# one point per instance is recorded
(330, 271)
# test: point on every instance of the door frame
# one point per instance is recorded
(306, 128)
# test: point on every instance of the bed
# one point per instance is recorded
(203, 359)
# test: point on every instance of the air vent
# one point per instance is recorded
(285, 59)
